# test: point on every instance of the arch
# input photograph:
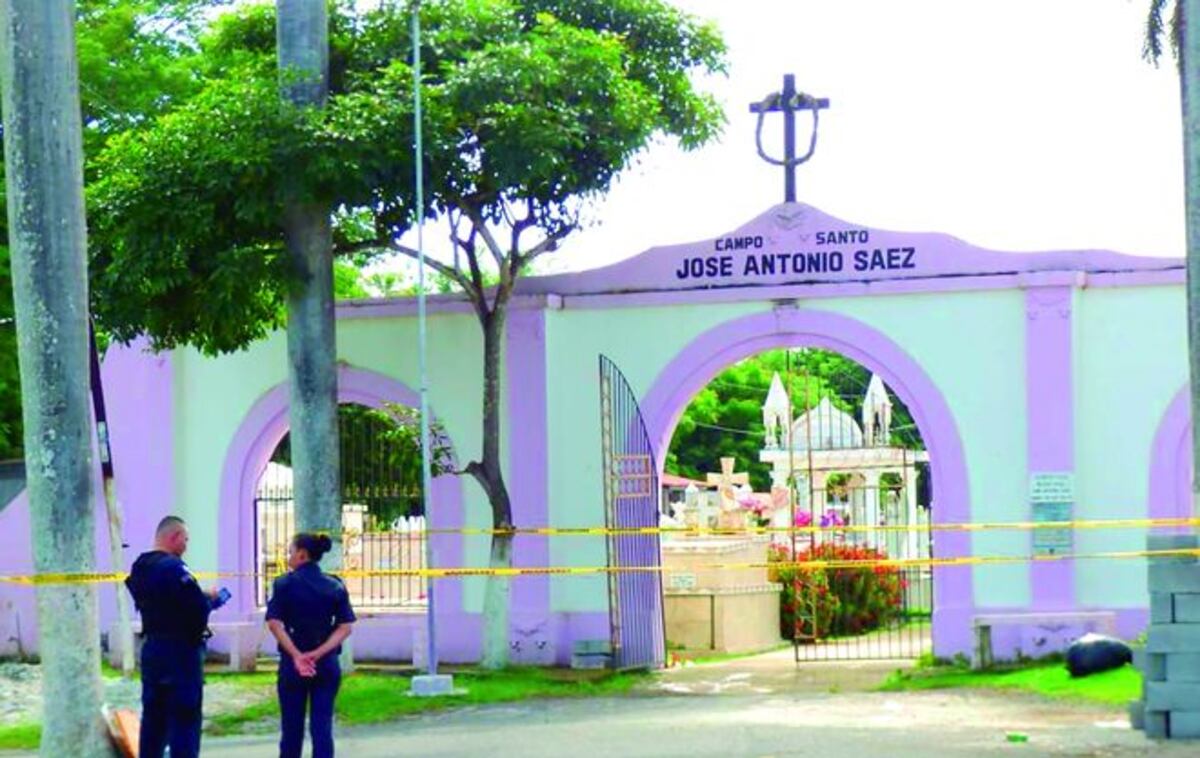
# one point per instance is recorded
(254, 443)
(705, 356)
(1170, 488)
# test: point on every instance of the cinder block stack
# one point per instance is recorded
(1170, 662)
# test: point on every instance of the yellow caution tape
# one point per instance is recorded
(600, 531)
(815, 565)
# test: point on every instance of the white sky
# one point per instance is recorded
(1014, 125)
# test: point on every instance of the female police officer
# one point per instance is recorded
(309, 613)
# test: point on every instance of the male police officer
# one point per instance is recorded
(175, 625)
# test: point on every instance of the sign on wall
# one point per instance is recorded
(1051, 495)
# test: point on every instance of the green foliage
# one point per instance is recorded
(835, 602)
(24, 736)
(369, 698)
(529, 104)
(380, 459)
(1052, 680)
(349, 282)
(136, 58)
(10, 380)
(725, 418)
(1157, 30)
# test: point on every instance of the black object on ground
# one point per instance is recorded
(1093, 653)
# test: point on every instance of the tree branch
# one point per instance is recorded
(362, 247)
(480, 226)
(545, 246)
(520, 225)
(449, 271)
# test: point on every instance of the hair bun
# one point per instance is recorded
(325, 543)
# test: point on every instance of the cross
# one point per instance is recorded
(788, 101)
(725, 480)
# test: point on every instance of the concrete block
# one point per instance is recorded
(1181, 667)
(1156, 542)
(436, 685)
(1152, 665)
(592, 647)
(1155, 724)
(1173, 638)
(1169, 696)
(1185, 725)
(1162, 609)
(590, 661)
(1174, 576)
(1187, 608)
(1137, 715)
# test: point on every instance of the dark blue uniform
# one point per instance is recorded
(175, 625)
(310, 604)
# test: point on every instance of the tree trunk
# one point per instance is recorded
(302, 36)
(495, 606)
(491, 477)
(44, 154)
(1189, 77)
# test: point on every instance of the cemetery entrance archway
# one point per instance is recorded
(790, 327)
(247, 481)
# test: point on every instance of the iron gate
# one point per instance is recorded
(631, 495)
(864, 479)
(383, 523)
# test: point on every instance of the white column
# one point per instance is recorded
(915, 537)
(872, 538)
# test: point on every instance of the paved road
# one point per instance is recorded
(858, 724)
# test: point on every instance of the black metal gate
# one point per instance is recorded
(631, 494)
(383, 524)
(859, 479)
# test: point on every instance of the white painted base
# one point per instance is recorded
(425, 685)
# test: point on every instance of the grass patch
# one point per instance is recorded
(373, 697)
(237, 721)
(1116, 687)
(20, 736)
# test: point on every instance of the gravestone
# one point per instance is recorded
(730, 514)
(726, 610)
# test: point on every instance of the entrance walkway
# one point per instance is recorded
(776, 672)
(864, 725)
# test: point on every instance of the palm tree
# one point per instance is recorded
(1185, 43)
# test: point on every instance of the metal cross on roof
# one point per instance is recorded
(788, 101)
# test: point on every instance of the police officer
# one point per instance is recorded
(175, 626)
(310, 615)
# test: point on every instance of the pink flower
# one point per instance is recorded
(803, 518)
(832, 519)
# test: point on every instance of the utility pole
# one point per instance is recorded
(302, 37)
(1189, 85)
(43, 147)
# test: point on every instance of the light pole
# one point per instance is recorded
(430, 683)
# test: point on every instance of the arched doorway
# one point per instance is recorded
(702, 359)
(247, 460)
(818, 441)
(383, 511)
(1170, 486)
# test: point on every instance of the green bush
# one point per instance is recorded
(835, 602)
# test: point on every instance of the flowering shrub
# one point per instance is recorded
(832, 518)
(825, 602)
(758, 509)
